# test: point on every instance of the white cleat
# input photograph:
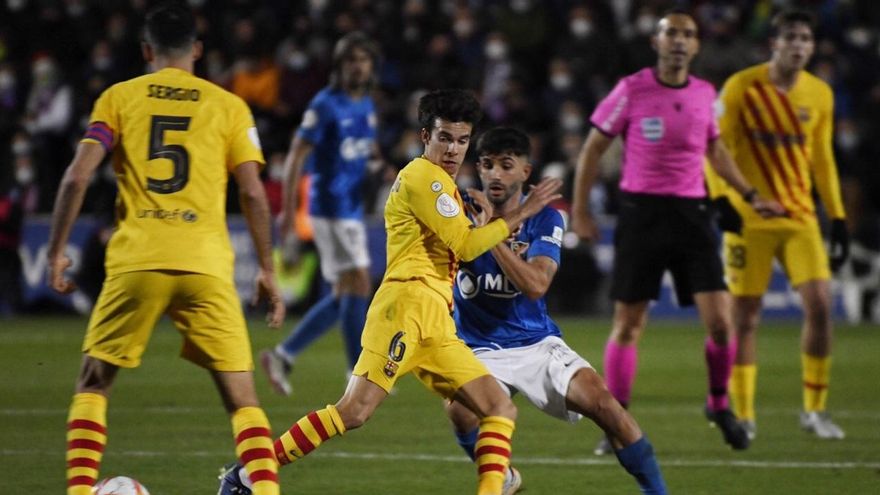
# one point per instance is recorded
(512, 482)
(750, 428)
(820, 424)
(276, 369)
(603, 447)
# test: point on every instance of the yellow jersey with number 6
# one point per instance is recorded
(174, 138)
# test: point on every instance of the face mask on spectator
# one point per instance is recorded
(21, 147)
(496, 50)
(560, 81)
(15, 5)
(520, 6)
(24, 175)
(581, 28)
(847, 140)
(463, 28)
(297, 60)
(196, 3)
(570, 122)
(7, 80)
(102, 62)
(645, 24)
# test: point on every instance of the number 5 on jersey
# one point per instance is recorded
(175, 152)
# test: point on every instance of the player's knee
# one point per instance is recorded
(504, 408)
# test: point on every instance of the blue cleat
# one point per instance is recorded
(233, 480)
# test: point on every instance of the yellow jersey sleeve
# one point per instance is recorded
(435, 202)
(824, 167)
(104, 122)
(244, 142)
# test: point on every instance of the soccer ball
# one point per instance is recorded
(120, 485)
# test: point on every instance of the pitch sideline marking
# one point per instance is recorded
(520, 460)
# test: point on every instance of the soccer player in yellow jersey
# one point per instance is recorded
(409, 327)
(776, 118)
(174, 139)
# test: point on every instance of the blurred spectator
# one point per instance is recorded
(47, 118)
(17, 199)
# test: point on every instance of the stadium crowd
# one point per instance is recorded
(538, 65)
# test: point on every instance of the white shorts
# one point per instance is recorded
(541, 372)
(342, 245)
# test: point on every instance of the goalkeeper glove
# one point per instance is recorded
(838, 249)
(729, 220)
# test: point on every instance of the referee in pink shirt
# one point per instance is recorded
(665, 117)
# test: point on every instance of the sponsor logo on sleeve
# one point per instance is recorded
(310, 119)
(436, 186)
(254, 137)
(447, 206)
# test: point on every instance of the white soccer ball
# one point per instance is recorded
(120, 485)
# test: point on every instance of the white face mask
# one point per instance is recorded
(276, 173)
(520, 6)
(15, 5)
(645, 24)
(297, 60)
(24, 175)
(847, 140)
(496, 50)
(465, 181)
(7, 80)
(21, 147)
(463, 28)
(560, 81)
(581, 28)
(570, 122)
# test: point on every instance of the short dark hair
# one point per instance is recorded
(791, 16)
(676, 10)
(170, 26)
(500, 140)
(454, 105)
(343, 49)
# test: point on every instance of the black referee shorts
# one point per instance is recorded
(658, 233)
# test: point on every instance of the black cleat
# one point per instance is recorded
(734, 433)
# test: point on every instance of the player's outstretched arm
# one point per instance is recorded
(300, 149)
(582, 222)
(67, 205)
(255, 207)
(539, 196)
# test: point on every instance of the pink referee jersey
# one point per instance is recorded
(665, 132)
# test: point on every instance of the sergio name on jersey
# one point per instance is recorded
(490, 312)
(174, 138)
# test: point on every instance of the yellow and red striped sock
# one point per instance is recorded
(816, 372)
(253, 446)
(307, 434)
(86, 438)
(493, 453)
(742, 390)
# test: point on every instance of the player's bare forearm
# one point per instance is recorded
(723, 164)
(71, 192)
(255, 206)
(532, 277)
(300, 150)
(586, 173)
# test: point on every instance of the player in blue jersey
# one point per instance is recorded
(501, 314)
(336, 138)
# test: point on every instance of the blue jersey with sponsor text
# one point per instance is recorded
(490, 312)
(342, 131)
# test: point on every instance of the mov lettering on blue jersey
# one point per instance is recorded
(492, 284)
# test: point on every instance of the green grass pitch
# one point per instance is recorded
(167, 427)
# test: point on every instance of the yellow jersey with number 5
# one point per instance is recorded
(174, 138)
